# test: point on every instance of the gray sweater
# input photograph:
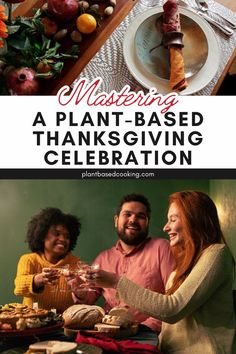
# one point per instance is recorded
(199, 317)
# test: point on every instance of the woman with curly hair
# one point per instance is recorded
(197, 310)
(51, 237)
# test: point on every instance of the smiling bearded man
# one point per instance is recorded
(145, 260)
(132, 223)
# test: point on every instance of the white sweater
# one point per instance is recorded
(199, 317)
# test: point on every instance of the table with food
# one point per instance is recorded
(207, 50)
(79, 329)
(48, 44)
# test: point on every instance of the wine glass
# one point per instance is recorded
(58, 282)
(82, 268)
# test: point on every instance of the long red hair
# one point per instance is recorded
(201, 228)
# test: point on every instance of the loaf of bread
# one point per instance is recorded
(122, 321)
(116, 331)
(121, 311)
(82, 316)
(106, 328)
(119, 316)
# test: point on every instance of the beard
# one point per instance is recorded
(132, 239)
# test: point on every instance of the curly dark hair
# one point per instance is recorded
(40, 223)
(135, 198)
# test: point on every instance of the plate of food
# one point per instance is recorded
(20, 320)
(148, 60)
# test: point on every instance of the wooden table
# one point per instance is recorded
(230, 4)
(88, 48)
(123, 7)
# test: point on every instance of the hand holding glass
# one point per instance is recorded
(101, 278)
(50, 275)
(82, 270)
(54, 277)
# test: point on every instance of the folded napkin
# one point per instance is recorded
(171, 24)
(110, 345)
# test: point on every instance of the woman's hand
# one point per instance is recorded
(48, 276)
(101, 278)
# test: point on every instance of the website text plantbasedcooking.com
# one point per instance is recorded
(117, 174)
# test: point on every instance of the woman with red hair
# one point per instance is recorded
(197, 309)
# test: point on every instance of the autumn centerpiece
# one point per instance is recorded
(34, 49)
(29, 52)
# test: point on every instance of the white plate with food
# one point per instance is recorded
(201, 51)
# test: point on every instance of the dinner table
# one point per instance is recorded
(105, 56)
(20, 343)
(115, 73)
(88, 342)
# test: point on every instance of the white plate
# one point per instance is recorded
(154, 57)
(148, 80)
